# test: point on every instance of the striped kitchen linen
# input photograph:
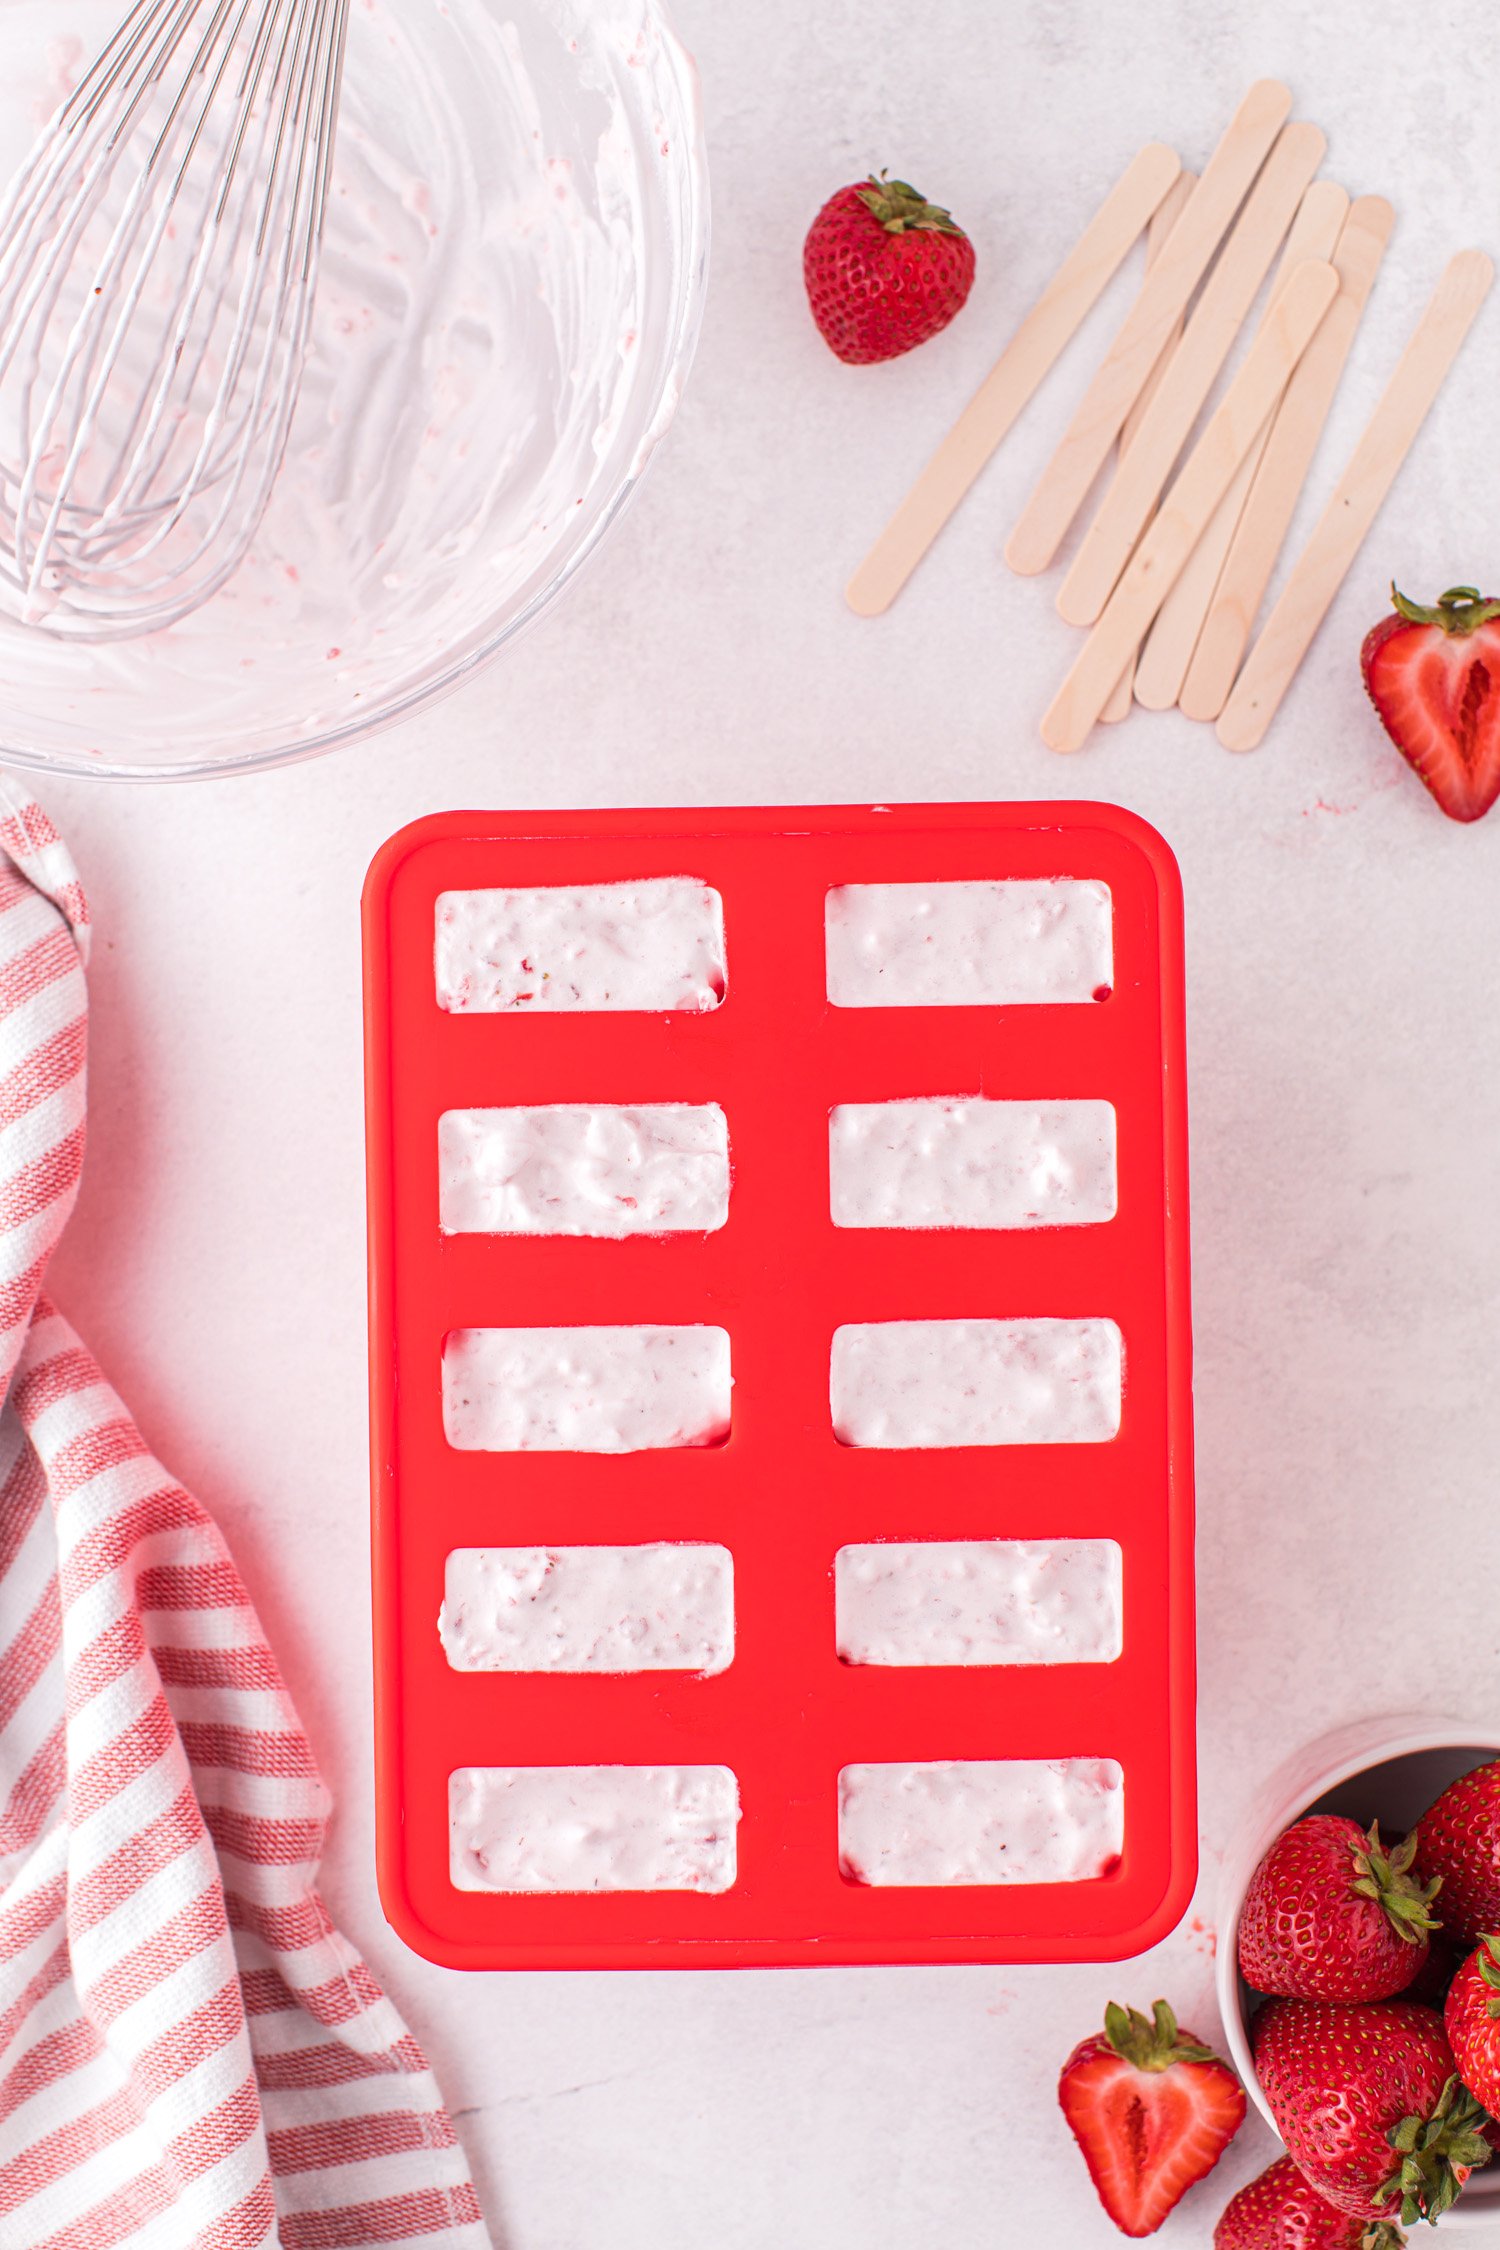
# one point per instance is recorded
(191, 2056)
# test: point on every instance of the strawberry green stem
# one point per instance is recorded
(1152, 2045)
(1461, 610)
(900, 209)
(1387, 1878)
(1489, 1972)
(1437, 2155)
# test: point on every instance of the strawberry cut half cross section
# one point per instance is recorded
(1152, 2109)
(1433, 675)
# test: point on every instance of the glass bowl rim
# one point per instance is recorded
(678, 347)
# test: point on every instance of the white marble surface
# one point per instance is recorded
(1345, 1038)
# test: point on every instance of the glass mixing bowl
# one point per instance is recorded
(513, 274)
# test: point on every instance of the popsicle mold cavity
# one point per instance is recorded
(584, 1168)
(964, 945)
(655, 946)
(976, 1382)
(592, 1828)
(661, 1608)
(947, 1162)
(585, 1390)
(979, 1601)
(1020, 1820)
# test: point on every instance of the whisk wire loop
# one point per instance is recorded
(158, 263)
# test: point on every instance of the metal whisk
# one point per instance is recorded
(158, 262)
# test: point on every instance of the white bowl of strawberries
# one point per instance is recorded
(1361, 2003)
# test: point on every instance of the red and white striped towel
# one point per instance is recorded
(191, 2056)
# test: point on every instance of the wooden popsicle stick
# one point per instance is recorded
(1320, 569)
(1163, 219)
(1050, 325)
(1065, 481)
(1158, 234)
(1121, 696)
(1290, 446)
(1168, 647)
(1228, 294)
(1179, 522)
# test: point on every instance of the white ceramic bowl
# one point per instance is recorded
(513, 274)
(1389, 1768)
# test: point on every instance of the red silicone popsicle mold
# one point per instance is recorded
(782, 1494)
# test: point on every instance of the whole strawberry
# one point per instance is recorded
(1369, 2104)
(1459, 1840)
(1331, 1915)
(1152, 2109)
(884, 269)
(1471, 2019)
(1434, 677)
(1280, 2210)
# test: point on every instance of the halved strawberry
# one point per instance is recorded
(1434, 677)
(1153, 2110)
